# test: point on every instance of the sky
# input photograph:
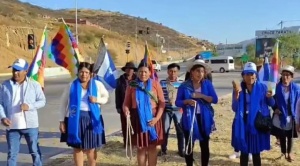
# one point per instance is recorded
(217, 21)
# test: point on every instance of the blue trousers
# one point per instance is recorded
(13, 138)
(176, 117)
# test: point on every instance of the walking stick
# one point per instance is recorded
(190, 140)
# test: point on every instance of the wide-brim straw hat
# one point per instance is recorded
(200, 62)
(288, 68)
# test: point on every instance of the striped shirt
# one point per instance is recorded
(170, 93)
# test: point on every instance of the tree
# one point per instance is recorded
(289, 45)
(250, 49)
(214, 52)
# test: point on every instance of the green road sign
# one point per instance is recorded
(245, 58)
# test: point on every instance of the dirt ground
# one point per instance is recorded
(113, 154)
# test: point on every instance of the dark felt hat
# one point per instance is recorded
(129, 65)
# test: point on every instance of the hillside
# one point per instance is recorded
(18, 19)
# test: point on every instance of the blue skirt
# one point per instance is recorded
(258, 142)
(255, 143)
(89, 140)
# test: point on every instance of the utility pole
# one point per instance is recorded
(135, 48)
(157, 48)
(225, 45)
(281, 24)
(168, 49)
(110, 20)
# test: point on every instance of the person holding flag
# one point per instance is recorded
(20, 99)
(195, 97)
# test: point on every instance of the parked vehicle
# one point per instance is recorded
(221, 64)
(156, 65)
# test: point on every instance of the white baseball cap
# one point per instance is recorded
(249, 68)
(20, 65)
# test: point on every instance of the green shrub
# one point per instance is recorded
(86, 38)
(98, 35)
(32, 14)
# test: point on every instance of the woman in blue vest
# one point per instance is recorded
(250, 101)
(286, 97)
(195, 96)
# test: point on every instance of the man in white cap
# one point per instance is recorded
(20, 98)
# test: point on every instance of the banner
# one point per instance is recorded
(206, 54)
(264, 47)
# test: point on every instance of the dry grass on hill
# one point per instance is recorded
(18, 19)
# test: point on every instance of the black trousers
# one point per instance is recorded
(285, 138)
(204, 146)
(286, 142)
(244, 158)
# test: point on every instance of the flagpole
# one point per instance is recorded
(34, 54)
(76, 17)
(63, 21)
(99, 49)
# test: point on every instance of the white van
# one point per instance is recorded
(221, 64)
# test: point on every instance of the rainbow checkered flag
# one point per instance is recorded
(64, 50)
(37, 67)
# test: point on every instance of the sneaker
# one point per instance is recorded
(250, 157)
(235, 155)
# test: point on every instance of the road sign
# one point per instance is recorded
(245, 58)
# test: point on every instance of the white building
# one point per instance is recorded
(234, 50)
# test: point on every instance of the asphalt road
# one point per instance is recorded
(49, 115)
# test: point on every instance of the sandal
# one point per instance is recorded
(289, 158)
